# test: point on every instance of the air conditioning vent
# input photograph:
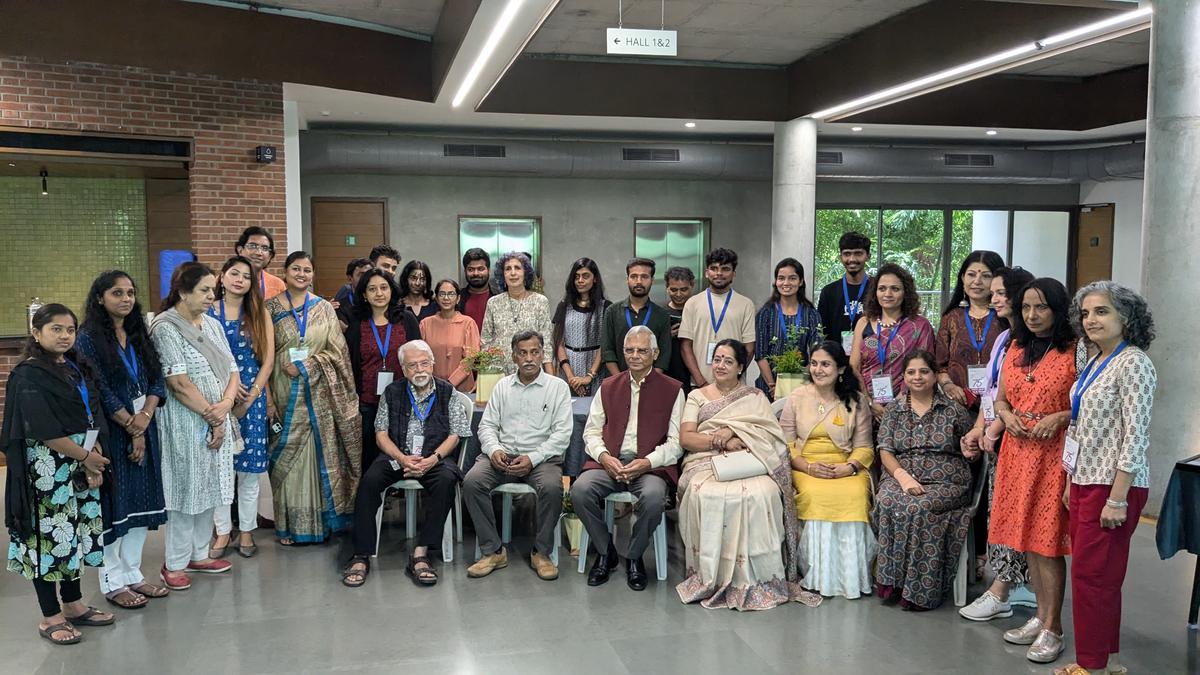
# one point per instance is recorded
(827, 157)
(961, 159)
(472, 150)
(650, 154)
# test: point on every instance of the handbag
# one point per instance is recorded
(737, 465)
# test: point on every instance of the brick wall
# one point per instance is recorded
(225, 118)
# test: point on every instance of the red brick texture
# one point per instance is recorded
(225, 118)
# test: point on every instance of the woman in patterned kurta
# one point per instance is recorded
(51, 504)
(316, 461)
(922, 506)
(516, 310)
(251, 340)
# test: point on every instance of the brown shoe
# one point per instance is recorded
(546, 570)
(488, 564)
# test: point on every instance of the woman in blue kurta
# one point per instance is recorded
(244, 319)
(787, 320)
(114, 339)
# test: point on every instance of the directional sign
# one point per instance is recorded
(642, 42)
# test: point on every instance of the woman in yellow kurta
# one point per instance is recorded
(827, 424)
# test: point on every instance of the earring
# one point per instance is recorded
(841, 377)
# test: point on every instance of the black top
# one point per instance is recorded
(676, 368)
(831, 306)
(353, 337)
(345, 299)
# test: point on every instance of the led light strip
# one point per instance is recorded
(1082, 36)
(485, 54)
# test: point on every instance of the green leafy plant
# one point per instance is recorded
(793, 358)
(567, 507)
(486, 360)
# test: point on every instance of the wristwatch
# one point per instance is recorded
(853, 469)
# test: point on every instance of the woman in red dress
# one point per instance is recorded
(1034, 404)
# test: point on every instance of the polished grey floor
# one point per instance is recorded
(287, 612)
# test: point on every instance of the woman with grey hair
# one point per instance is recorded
(1105, 457)
(518, 309)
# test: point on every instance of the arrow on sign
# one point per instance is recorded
(616, 41)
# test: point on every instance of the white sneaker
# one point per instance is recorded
(985, 608)
(1021, 596)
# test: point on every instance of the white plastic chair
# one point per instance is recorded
(659, 538)
(508, 490)
(966, 555)
(412, 487)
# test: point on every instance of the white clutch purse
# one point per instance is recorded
(737, 465)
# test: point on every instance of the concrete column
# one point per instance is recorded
(1170, 237)
(794, 195)
(291, 177)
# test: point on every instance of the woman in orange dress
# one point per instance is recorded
(1034, 403)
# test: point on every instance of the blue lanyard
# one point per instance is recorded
(712, 314)
(422, 416)
(384, 344)
(129, 358)
(629, 317)
(851, 308)
(83, 393)
(1085, 382)
(999, 361)
(783, 323)
(885, 348)
(240, 315)
(302, 325)
(262, 282)
(978, 342)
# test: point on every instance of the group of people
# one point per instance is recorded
(116, 426)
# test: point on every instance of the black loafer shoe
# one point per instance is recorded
(604, 565)
(635, 574)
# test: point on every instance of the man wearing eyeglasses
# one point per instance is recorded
(258, 246)
(632, 436)
(417, 428)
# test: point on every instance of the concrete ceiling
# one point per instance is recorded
(1105, 57)
(417, 16)
(774, 32)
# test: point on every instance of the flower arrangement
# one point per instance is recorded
(486, 360)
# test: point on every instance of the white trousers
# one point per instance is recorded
(123, 561)
(187, 538)
(247, 503)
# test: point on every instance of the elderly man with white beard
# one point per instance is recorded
(418, 428)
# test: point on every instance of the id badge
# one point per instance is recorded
(138, 404)
(977, 379)
(847, 340)
(385, 378)
(90, 438)
(881, 389)
(712, 347)
(418, 446)
(987, 405)
(297, 354)
(1070, 456)
(394, 464)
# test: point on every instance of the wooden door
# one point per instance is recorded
(1094, 244)
(344, 229)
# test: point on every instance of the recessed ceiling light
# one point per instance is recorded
(855, 128)
(990, 132)
(690, 125)
(324, 113)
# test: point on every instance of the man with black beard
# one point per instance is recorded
(636, 310)
(477, 267)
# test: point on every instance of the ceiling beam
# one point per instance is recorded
(452, 26)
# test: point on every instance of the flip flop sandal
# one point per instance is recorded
(348, 572)
(86, 619)
(135, 600)
(1073, 669)
(49, 631)
(150, 590)
(425, 577)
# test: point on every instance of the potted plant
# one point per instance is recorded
(488, 366)
(571, 523)
(791, 364)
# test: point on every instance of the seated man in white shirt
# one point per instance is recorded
(523, 434)
(632, 437)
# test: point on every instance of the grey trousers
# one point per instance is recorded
(545, 479)
(587, 496)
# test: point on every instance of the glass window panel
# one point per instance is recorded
(831, 225)
(501, 235)
(671, 242)
(912, 238)
(1041, 241)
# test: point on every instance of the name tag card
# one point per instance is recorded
(394, 464)
(418, 446)
(297, 354)
(977, 379)
(138, 404)
(89, 439)
(385, 378)
(988, 406)
(1070, 456)
(712, 347)
(847, 340)
(881, 389)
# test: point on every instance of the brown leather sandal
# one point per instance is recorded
(127, 598)
(350, 571)
(150, 590)
(61, 627)
(426, 576)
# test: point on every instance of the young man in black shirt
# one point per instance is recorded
(681, 281)
(840, 303)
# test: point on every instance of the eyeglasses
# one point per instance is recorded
(640, 351)
(419, 365)
(447, 294)
(255, 248)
